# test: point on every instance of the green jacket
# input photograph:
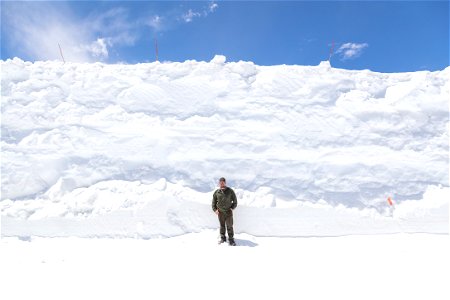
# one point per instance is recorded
(224, 200)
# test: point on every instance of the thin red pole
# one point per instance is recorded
(156, 49)
(331, 50)
(60, 51)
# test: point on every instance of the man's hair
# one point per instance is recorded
(222, 179)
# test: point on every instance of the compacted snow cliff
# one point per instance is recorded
(136, 150)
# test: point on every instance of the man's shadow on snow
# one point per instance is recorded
(245, 243)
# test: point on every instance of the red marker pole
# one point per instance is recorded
(389, 200)
(156, 49)
(391, 206)
(60, 51)
(331, 50)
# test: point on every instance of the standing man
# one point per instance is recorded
(223, 203)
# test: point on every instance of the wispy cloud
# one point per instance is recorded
(191, 14)
(38, 37)
(155, 22)
(172, 18)
(99, 48)
(115, 25)
(82, 40)
(351, 50)
(212, 7)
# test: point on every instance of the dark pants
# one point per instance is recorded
(226, 219)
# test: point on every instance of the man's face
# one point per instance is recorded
(222, 184)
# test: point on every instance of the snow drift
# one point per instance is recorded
(136, 150)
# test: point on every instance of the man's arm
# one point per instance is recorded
(214, 202)
(234, 199)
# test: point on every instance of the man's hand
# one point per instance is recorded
(217, 212)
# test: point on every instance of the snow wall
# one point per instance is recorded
(136, 150)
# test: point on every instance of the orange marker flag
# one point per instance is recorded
(390, 201)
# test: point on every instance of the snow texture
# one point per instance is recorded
(136, 150)
(370, 267)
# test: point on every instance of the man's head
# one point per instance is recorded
(222, 183)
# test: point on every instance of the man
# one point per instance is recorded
(223, 203)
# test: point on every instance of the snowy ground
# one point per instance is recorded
(193, 266)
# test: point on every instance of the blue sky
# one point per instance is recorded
(393, 36)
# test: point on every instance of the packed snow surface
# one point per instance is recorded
(136, 150)
(369, 267)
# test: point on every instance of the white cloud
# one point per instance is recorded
(115, 25)
(38, 37)
(99, 48)
(34, 30)
(82, 40)
(351, 50)
(213, 6)
(190, 15)
(155, 22)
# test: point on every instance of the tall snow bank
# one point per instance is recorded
(281, 133)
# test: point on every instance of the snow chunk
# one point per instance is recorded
(325, 64)
(219, 59)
